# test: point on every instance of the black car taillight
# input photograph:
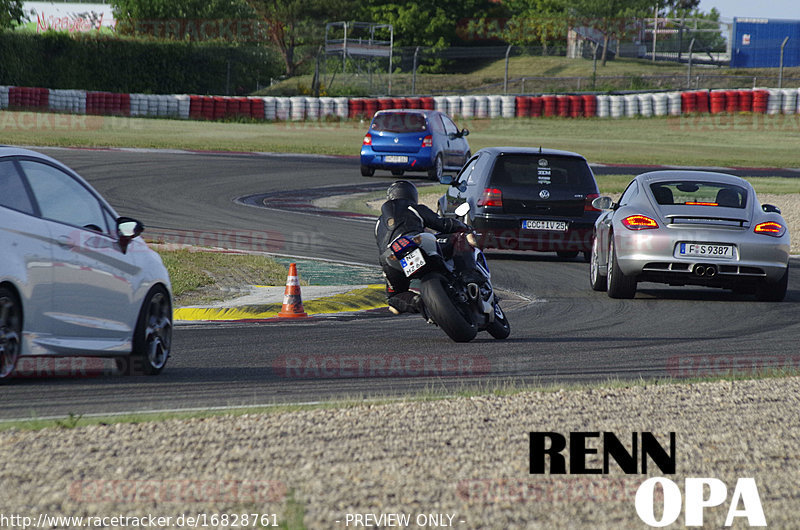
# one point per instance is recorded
(587, 205)
(491, 197)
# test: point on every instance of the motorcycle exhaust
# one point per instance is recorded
(700, 270)
(711, 271)
(473, 290)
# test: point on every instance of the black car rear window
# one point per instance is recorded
(399, 122)
(695, 193)
(554, 172)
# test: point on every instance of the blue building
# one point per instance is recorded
(757, 43)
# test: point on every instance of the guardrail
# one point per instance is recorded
(300, 108)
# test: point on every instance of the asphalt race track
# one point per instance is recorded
(566, 333)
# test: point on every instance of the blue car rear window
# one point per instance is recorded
(399, 122)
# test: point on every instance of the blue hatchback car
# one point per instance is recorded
(401, 140)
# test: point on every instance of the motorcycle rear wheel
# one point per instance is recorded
(444, 311)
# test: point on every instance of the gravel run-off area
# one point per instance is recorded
(465, 457)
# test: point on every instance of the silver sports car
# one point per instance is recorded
(690, 228)
(75, 278)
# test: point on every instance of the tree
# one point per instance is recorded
(133, 14)
(10, 13)
(610, 18)
(536, 22)
(432, 23)
(294, 25)
(131, 10)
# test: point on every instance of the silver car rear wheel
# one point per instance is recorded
(619, 284)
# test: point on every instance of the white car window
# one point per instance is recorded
(62, 198)
(14, 194)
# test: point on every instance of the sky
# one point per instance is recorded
(788, 9)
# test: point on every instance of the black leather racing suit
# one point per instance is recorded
(400, 217)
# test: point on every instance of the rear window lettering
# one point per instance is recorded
(399, 122)
(551, 172)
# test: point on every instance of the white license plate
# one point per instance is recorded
(412, 262)
(704, 250)
(558, 226)
(391, 159)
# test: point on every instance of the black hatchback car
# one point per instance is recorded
(526, 199)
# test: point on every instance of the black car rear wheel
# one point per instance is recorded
(367, 171)
(620, 285)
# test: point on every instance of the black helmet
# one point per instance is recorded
(402, 189)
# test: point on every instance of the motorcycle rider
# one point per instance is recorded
(401, 215)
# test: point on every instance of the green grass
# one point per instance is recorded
(479, 76)
(744, 140)
(190, 271)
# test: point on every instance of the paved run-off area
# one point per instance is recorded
(465, 457)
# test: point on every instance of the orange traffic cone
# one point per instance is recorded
(292, 302)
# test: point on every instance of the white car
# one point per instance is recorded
(75, 279)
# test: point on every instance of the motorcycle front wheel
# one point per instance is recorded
(444, 311)
(500, 328)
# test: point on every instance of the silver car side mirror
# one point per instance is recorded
(603, 203)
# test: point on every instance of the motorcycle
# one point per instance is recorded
(456, 285)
